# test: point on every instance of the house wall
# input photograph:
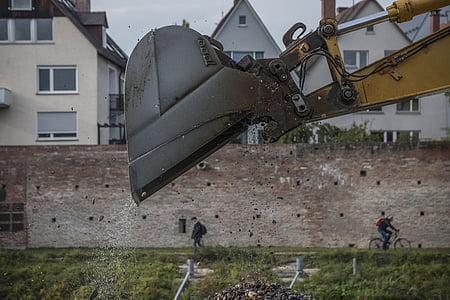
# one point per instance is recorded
(431, 120)
(249, 38)
(18, 73)
(103, 98)
(280, 195)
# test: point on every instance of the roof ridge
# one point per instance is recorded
(256, 15)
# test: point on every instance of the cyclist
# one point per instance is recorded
(383, 225)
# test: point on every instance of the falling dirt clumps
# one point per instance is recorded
(258, 290)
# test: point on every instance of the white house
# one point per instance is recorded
(424, 118)
(242, 32)
(58, 68)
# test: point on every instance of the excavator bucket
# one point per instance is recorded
(184, 100)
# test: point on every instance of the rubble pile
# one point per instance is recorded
(256, 291)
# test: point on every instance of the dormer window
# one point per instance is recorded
(21, 5)
(242, 20)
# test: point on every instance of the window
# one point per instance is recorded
(3, 30)
(12, 219)
(355, 60)
(58, 80)
(370, 29)
(2, 193)
(390, 136)
(26, 30)
(408, 106)
(57, 126)
(22, 30)
(389, 52)
(182, 226)
(374, 110)
(396, 136)
(408, 136)
(21, 5)
(238, 55)
(242, 20)
(44, 30)
(378, 136)
(259, 55)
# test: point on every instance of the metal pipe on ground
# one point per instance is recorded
(189, 274)
(299, 271)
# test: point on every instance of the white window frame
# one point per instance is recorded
(52, 137)
(243, 24)
(33, 30)
(11, 7)
(411, 110)
(52, 91)
(358, 60)
(395, 134)
(8, 32)
(35, 40)
(410, 132)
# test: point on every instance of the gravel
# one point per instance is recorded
(258, 290)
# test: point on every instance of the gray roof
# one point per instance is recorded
(93, 18)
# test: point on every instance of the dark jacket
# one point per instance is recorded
(197, 231)
(386, 225)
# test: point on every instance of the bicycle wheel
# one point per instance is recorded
(376, 243)
(402, 244)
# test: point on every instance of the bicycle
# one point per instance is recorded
(399, 243)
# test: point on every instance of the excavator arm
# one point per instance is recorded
(185, 98)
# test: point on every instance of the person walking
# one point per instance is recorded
(198, 231)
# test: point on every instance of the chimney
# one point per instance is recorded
(340, 9)
(84, 5)
(435, 21)
(328, 9)
(185, 24)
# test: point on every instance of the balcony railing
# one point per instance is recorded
(116, 103)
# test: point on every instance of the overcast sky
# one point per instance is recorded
(131, 19)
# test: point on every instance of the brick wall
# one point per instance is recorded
(327, 196)
(13, 169)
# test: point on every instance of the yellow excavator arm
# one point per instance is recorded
(404, 10)
(185, 98)
(419, 69)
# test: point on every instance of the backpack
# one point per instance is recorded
(203, 229)
(380, 221)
